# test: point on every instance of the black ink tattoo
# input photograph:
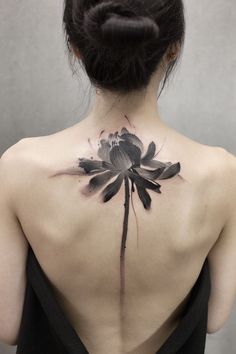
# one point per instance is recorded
(122, 156)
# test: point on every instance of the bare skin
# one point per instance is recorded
(77, 239)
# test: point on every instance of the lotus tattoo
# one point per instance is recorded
(123, 159)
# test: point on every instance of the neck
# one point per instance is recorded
(136, 110)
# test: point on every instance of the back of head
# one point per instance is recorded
(121, 43)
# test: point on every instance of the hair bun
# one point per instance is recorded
(114, 24)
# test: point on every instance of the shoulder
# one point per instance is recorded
(35, 154)
(208, 162)
(11, 161)
(225, 157)
(227, 177)
(212, 172)
(223, 165)
(17, 154)
(29, 162)
(220, 172)
(211, 162)
(18, 162)
(214, 161)
(19, 149)
(28, 151)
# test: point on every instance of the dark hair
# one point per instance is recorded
(121, 43)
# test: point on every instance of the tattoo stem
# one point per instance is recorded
(123, 242)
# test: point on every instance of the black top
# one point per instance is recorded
(45, 329)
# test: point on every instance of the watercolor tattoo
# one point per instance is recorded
(122, 157)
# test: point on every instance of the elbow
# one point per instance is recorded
(8, 340)
(212, 330)
(7, 336)
(213, 327)
(217, 316)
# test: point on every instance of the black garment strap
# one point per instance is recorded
(53, 310)
(194, 316)
(188, 336)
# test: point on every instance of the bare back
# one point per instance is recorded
(77, 238)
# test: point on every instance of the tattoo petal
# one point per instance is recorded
(90, 165)
(132, 151)
(112, 189)
(144, 196)
(154, 163)
(171, 171)
(150, 152)
(104, 150)
(120, 159)
(100, 180)
(149, 174)
(131, 138)
(144, 183)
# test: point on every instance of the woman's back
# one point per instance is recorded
(77, 237)
(120, 210)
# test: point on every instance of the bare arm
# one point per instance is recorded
(13, 247)
(222, 257)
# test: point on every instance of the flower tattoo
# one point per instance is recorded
(122, 157)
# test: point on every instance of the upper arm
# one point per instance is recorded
(222, 256)
(13, 248)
